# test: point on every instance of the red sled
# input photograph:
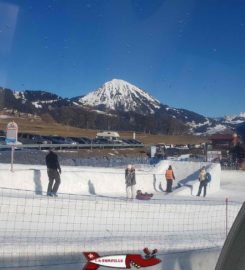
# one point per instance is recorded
(143, 196)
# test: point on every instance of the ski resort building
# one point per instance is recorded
(220, 141)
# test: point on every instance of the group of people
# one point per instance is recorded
(169, 176)
(204, 178)
(54, 171)
(130, 182)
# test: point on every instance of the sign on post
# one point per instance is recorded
(153, 151)
(11, 139)
(11, 133)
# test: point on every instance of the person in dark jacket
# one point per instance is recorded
(169, 175)
(54, 171)
(130, 181)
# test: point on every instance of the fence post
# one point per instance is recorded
(12, 158)
(226, 216)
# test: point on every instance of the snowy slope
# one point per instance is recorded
(227, 122)
(123, 96)
(234, 119)
(217, 125)
(37, 98)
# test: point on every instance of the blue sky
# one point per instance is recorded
(188, 54)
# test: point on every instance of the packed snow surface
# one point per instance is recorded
(92, 213)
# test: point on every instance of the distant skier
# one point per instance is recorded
(54, 171)
(169, 175)
(130, 181)
(203, 182)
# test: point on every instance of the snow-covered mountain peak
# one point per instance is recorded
(117, 83)
(121, 95)
(235, 119)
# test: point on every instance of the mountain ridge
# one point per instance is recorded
(119, 105)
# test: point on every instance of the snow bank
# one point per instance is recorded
(111, 181)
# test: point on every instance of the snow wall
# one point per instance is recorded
(111, 181)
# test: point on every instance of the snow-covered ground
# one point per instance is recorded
(92, 214)
(232, 186)
(110, 181)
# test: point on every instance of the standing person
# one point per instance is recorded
(169, 175)
(130, 181)
(203, 182)
(54, 171)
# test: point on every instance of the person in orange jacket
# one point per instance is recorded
(169, 175)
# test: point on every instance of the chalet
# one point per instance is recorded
(220, 141)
